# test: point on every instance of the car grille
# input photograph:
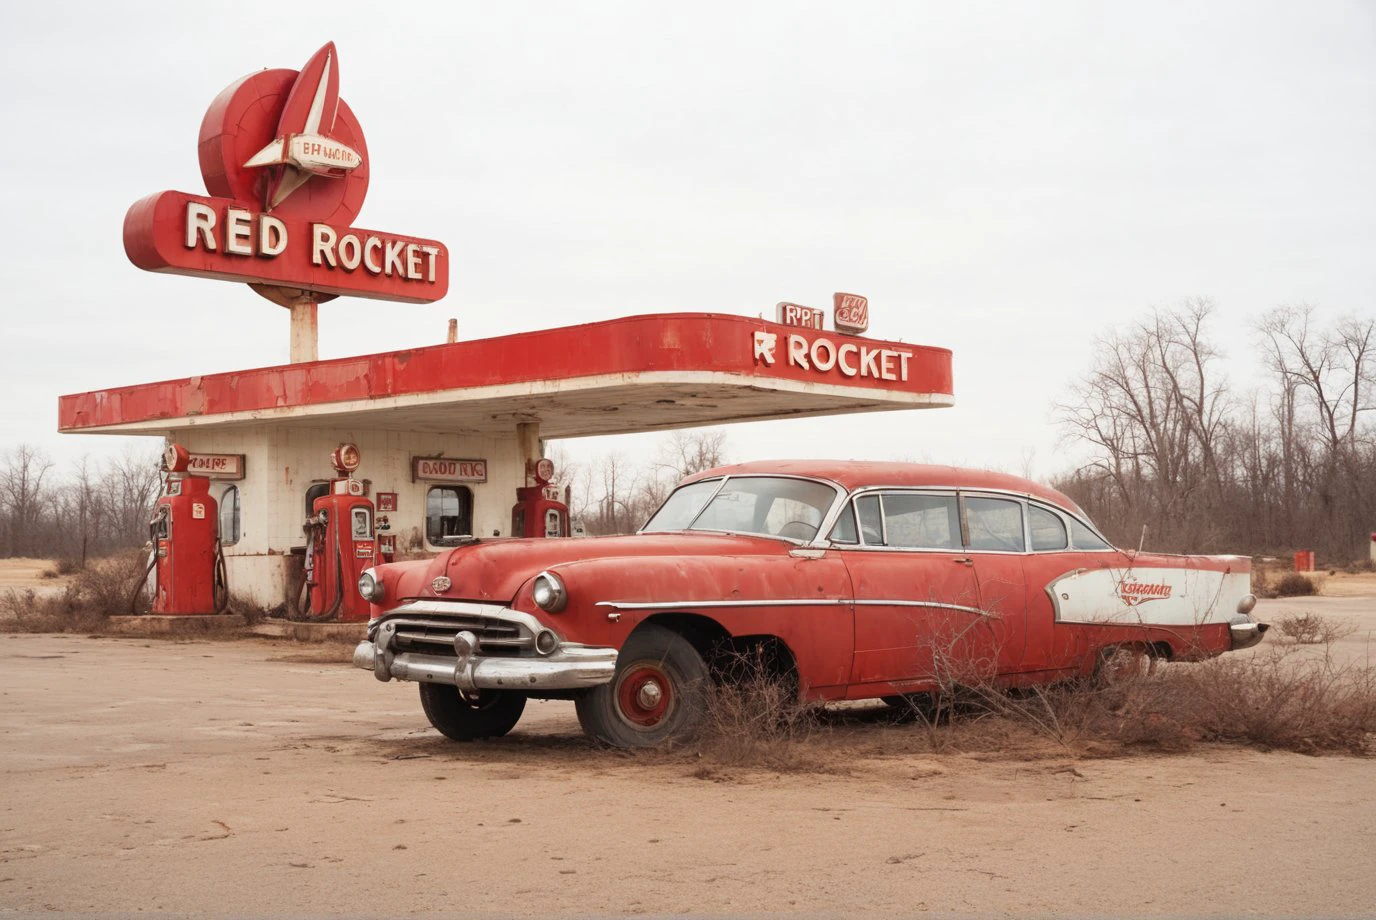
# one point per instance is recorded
(435, 635)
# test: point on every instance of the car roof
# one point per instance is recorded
(858, 474)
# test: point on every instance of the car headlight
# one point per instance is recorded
(548, 592)
(370, 587)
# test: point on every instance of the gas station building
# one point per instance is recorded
(447, 433)
(446, 439)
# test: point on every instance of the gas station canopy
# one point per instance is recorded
(636, 373)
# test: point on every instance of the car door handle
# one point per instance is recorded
(964, 560)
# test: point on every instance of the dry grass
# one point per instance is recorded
(755, 719)
(100, 590)
(1279, 698)
(1269, 584)
(1312, 629)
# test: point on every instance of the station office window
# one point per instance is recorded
(229, 516)
(448, 514)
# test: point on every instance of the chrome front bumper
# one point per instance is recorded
(568, 667)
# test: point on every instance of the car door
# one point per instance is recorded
(1061, 545)
(997, 543)
(914, 585)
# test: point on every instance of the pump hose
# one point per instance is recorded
(220, 589)
(304, 605)
(152, 563)
(143, 580)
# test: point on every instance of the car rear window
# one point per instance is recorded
(1048, 532)
(1084, 538)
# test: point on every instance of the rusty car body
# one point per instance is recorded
(855, 580)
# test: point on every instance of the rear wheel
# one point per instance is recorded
(465, 716)
(658, 693)
(1120, 664)
(911, 707)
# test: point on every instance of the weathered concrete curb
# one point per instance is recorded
(150, 625)
(310, 632)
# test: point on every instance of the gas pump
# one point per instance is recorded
(339, 545)
(188, 564)
(538, 512)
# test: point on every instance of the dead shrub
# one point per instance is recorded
(108, 584)
(1272, 700)
(1293, 584)
(1279, 699)
(755, 718)
(100, 590)
(1312, 629)
(63, 611)
(67, 567)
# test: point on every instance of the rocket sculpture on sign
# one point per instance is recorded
(286, 165)
(304, 146)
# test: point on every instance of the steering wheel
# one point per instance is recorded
(801, 530)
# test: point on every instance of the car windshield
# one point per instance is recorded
(768, 505)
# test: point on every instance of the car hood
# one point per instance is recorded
(495, 570)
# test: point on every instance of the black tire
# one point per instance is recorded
(1119, 665)
(655, 664)
(481, 714)
(911, 707)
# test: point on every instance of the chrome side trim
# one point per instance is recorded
(794, 602)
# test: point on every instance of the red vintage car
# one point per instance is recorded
(856, 580)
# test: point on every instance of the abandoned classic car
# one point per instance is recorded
(857, 580)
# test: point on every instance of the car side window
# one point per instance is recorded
(1084, 538)
(915, 520)
(844, 529)
(1048, 532)
(870, 520)
(995, 524)
(918, 521)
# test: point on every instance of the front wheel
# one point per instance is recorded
(471, 715)
(658, 693)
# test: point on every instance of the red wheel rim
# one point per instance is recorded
(644, 695)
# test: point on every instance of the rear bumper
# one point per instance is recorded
(1246, 633)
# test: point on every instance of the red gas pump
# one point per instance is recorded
(538, 512)
(339, 545)
(188, 566)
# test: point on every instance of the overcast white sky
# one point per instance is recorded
(1006, 180)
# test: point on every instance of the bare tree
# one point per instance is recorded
(1153, 407)
(1292, 466)
(22, 493)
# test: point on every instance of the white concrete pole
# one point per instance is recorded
(305, 331)
(528, 444)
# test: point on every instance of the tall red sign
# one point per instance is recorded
(285, 164)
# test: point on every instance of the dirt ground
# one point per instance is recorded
(251, 777)
(29, 573)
